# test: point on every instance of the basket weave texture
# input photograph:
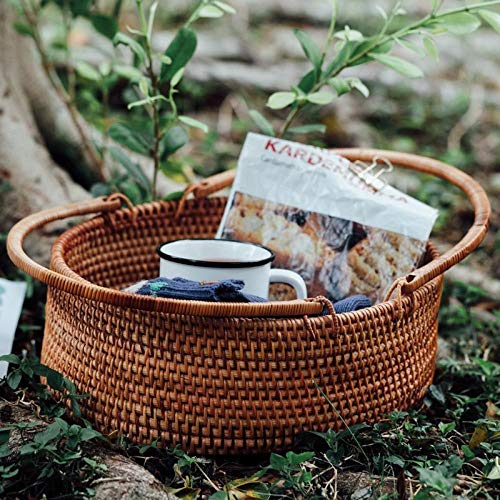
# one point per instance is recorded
(224, 378)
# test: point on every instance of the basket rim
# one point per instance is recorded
(110, 207)
(167, 305)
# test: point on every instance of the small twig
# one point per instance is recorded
(62, 93)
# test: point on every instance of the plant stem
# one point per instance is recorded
(380, 40)
(194, 16)
(96, 162)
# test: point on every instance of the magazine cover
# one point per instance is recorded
(339, 233)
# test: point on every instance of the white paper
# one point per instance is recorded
(11, 303)
(292, 171)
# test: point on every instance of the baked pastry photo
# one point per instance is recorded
(335, 257)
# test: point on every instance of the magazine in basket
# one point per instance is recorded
(343, 231)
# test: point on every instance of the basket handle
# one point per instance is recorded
(24, 227)
(82, 288)
(475, 193)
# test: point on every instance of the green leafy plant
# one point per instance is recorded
(347, 48)
(50, 461)
(157, 89)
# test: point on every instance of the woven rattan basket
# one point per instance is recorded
(227, 378)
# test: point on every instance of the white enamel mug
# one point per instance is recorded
(216, 260)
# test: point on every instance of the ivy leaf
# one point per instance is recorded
(87, 71)
(309, 47)
(191, 122)
(430, 48)
(135, 47)
(88, 434)
(400, 65)
(105, 25)
(492, 18)
(280, 100)
(460, 23)
(50, 433)
(321, 97)
(180, 51)
(261, 122)
(211, 11)
(14, 379)
(10, 358)
(130, 138)
(174, 139)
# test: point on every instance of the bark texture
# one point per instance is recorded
(36, 181)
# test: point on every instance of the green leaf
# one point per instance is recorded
(492, 18)
(277, 462)
(88, 434)
(129, 138)
(280, 100)
(321, 97)
(446, 428)
(211, 11)
(50, 433)
(349, 35)
(357, 84)
(228, 9)
(144, 86)
(299, 458)
(128, 72)
(460, 23)
(173, 140)
(14, 379)
(10, 358)
(105, 25)
(23, 29)
(174, 195)
(309, 47)
(151, 19)
(494, 474)
(135, 47)
(132, 168)
(191, 122)
(411, 46)
(340, 85)
(5, 451)
(54, 379)
(307, 82)
(430, 48)
(177, 78)
(87, 71)
(399, 65)
(261, 122)
(180, 51)
(437, 481)
(308, 129)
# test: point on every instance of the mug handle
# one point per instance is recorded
(290, 278)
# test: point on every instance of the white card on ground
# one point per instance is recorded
(11, 303)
